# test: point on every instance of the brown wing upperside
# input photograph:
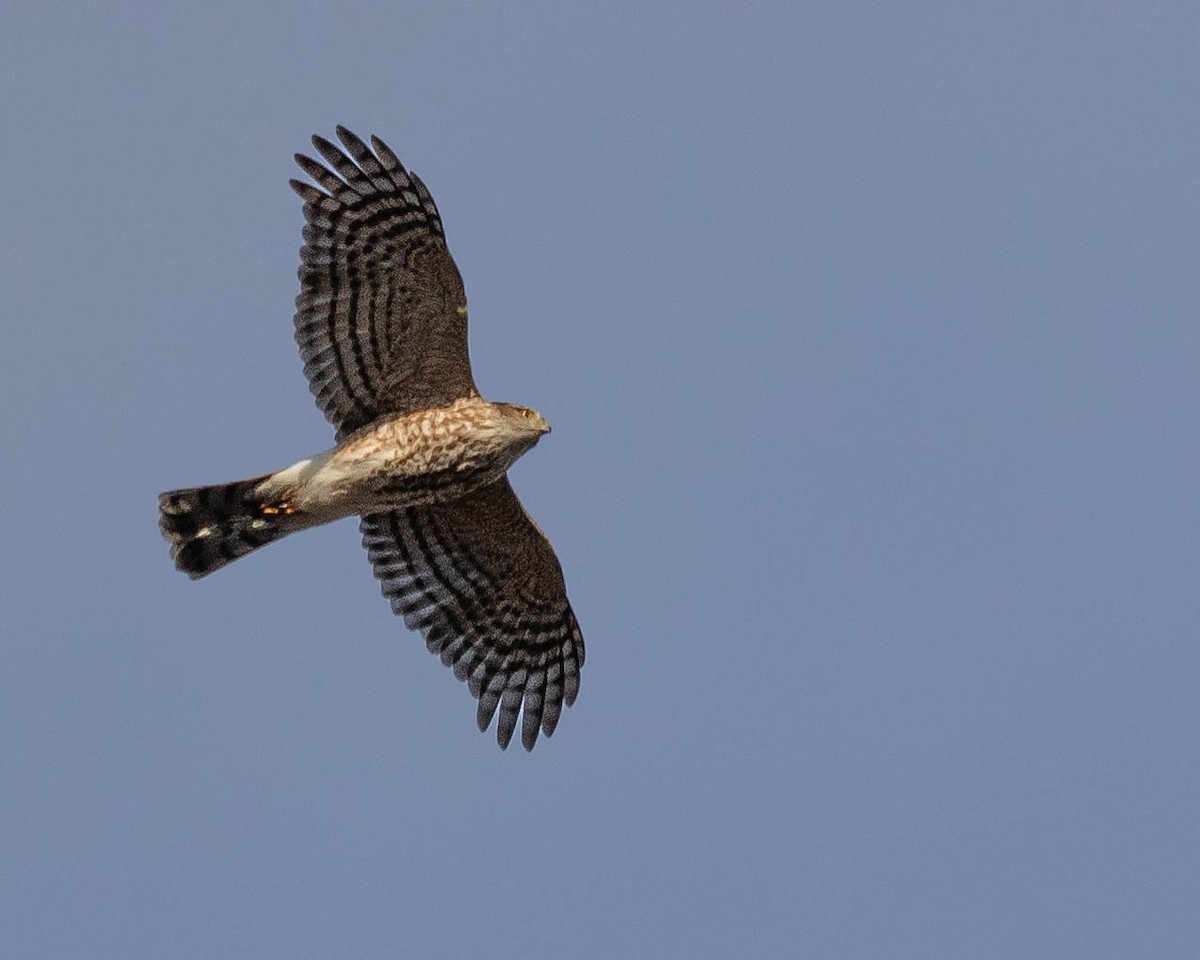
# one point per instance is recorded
(381, 318)
(482, 584)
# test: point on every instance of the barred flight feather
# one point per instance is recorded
(379, 292)
(479, 580)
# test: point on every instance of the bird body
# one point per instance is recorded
(430, 456)
(420, 457)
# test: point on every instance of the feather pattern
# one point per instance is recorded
(480, 581)
(381, 318)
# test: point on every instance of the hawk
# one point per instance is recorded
(420, 456)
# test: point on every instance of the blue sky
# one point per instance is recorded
(868, 334)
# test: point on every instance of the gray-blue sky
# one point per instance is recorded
(868, 333)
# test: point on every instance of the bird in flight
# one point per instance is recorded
(420, 456)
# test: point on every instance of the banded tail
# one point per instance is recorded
(211, 526)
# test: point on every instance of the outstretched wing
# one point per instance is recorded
(381, 318)
(481, 582)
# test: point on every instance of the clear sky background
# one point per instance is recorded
(868, 332)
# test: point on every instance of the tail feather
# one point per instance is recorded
(209, 527)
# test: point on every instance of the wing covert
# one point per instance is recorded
(482, 584)
(381, 318)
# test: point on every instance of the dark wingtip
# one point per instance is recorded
(488, 703)
(386, 156)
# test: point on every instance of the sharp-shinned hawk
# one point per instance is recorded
(420, 456)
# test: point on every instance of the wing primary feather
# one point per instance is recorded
(343, 165)
(366, 160)
(306, 191)
(552, 706)
(489, 700)
(510, 706)
(332, 184)
(387, 158)
(531, 719)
